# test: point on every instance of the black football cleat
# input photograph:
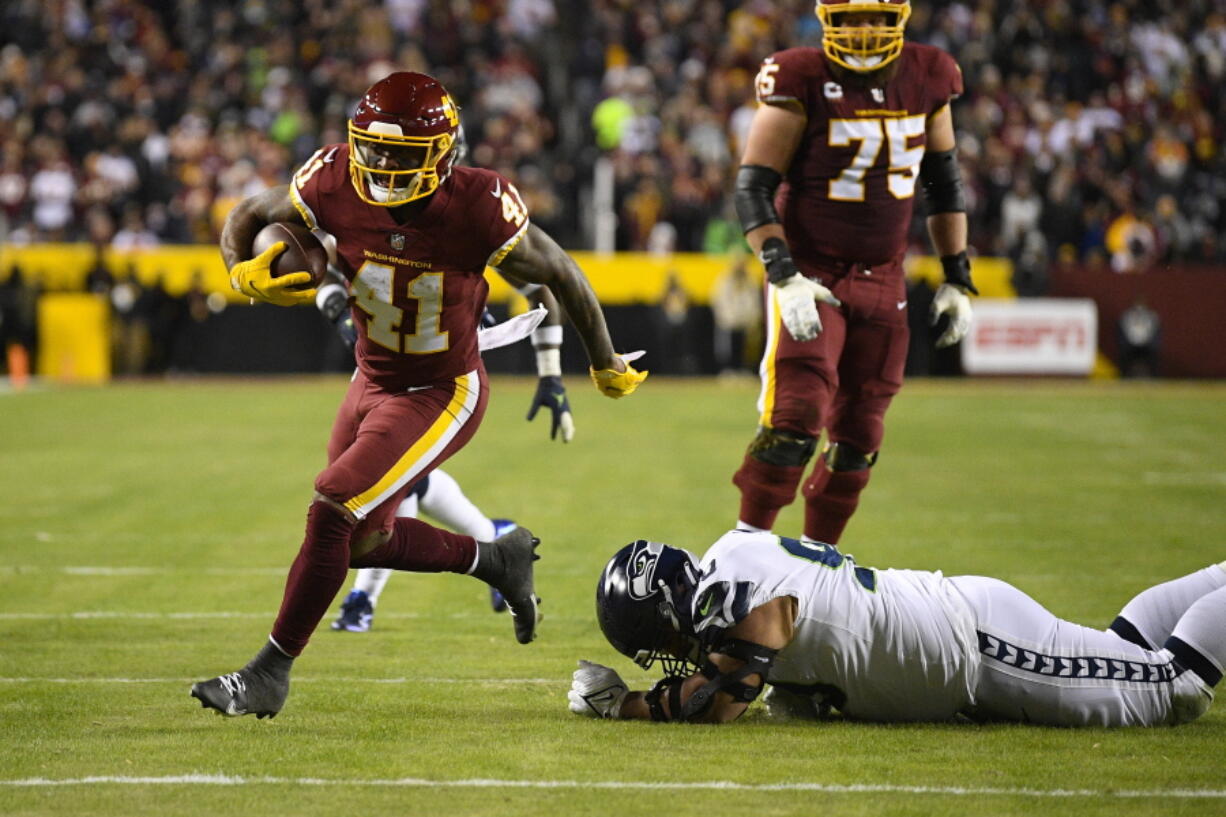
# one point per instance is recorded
(501, 526)
(259, 689)
(506, 565)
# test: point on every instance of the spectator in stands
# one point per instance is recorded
(1075, 98)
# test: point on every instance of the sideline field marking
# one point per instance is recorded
(141, 570)
(118, 614)
(1181, 478)
(337, 680)
(713, 785)
(88, 615)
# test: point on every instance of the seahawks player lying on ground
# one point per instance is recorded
(889, 645)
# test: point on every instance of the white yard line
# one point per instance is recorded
(621, 785)
(1181, 478)
(141, 570)
(329, 680)
(86, 615)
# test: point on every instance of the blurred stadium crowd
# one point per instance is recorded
(1091, 131)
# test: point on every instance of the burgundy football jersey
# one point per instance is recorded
(419, 287)
(849, 191)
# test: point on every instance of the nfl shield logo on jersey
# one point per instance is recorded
(397, 241)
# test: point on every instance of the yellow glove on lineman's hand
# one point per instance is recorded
(615, 384)
(254, 279)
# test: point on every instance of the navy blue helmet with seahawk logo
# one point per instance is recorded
(643, 603)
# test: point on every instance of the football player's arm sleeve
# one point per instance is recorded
(754, 195)
(941, 180)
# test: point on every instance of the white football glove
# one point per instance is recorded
(596, 691)
(797, 298)
(951, 300)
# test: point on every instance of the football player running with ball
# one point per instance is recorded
(889, 645)
(414, 235)
(843, 137)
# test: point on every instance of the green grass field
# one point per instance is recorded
(145, 531)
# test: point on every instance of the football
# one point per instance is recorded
(303, 251)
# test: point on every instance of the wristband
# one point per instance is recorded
(547, 335)
(549, 362)
(332, 301)
(777, 260)
(957, 270)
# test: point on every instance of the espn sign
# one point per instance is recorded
(1032, 336)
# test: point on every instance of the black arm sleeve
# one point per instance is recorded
(942, 182)
(755, 196)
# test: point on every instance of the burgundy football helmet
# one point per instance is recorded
(858, 47)
(402, 139)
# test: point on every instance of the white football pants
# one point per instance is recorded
(1038, 668)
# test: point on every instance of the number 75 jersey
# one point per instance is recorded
(419, 288)
(850, 188)
(874, 644)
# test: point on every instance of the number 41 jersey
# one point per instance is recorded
(850, 188)
(419, 288)
(875, 644)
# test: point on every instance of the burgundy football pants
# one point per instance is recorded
(382, 443)
(842, 382)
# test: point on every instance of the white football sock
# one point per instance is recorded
(371, 581)
(1155, 612)
(444, 502)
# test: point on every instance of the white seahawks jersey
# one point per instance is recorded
(874, 644)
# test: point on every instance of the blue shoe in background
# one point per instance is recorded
(357, 613)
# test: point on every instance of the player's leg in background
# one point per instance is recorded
(1151, 616)
(870, 374)
(444, 501)
(798, 382)
(1037, 668)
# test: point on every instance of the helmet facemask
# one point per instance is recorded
(389, 169)
(676, 651)
(863, 48)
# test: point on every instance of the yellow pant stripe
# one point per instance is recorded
(766, 371)
(409, 467)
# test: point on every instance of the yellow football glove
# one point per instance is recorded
(254, 279)
(615, 384)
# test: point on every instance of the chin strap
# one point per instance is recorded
(758, 660)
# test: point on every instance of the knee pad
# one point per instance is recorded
(775, 447)
(842, 457)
